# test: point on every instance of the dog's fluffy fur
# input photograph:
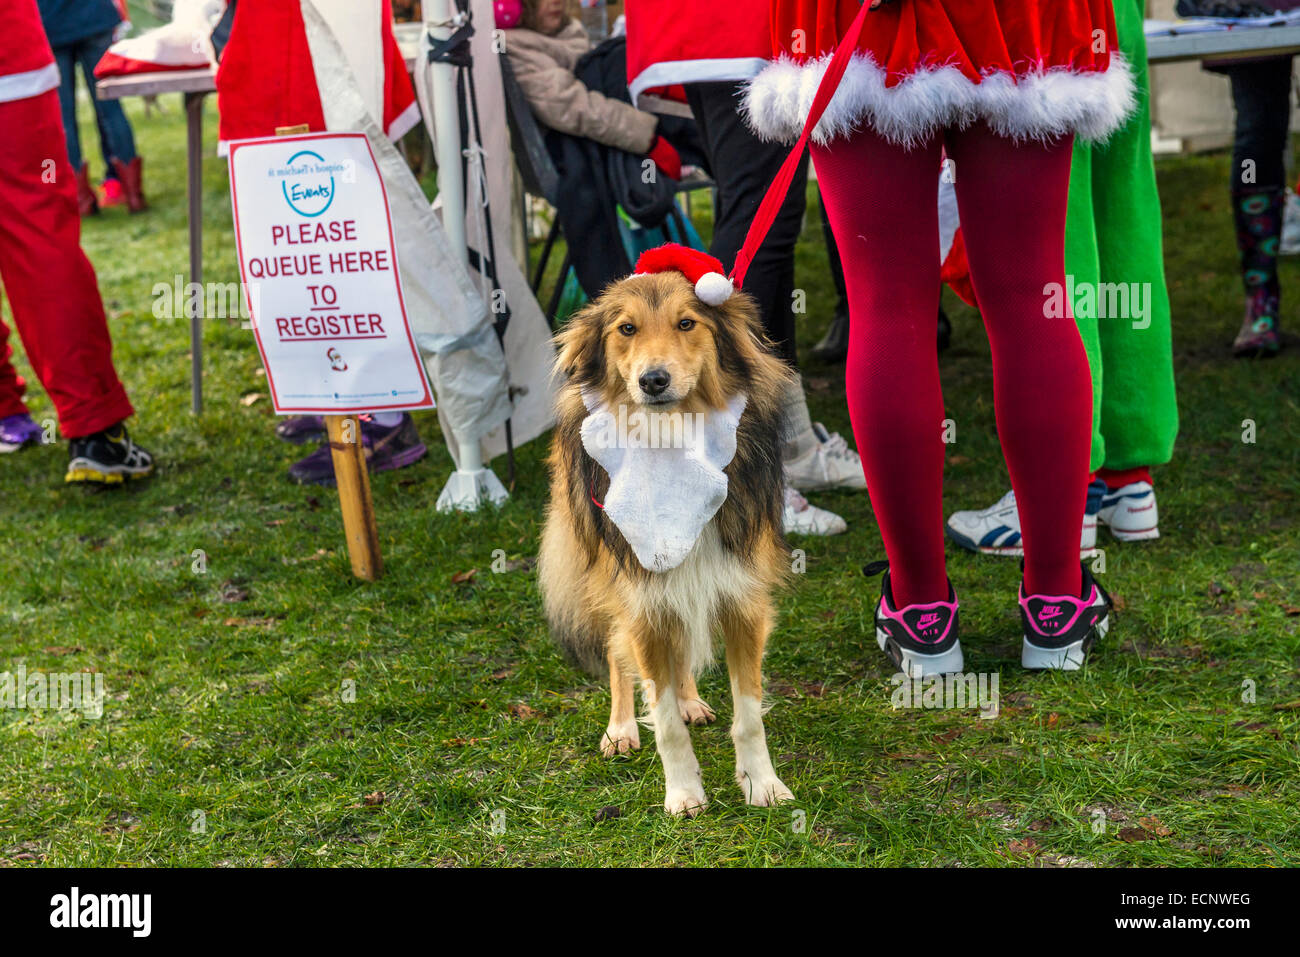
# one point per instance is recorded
(607, 611)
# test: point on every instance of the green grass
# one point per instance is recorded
(463, 709)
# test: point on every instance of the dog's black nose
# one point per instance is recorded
(654, 382)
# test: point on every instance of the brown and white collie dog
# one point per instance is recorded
(648, 343)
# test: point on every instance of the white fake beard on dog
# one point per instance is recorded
(660, 498)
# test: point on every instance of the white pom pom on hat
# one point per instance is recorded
(711, 283)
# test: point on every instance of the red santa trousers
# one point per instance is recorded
(50, 284)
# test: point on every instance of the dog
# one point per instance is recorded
(650, 343)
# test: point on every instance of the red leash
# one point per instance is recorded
(776, 193)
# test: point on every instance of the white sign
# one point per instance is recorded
(319, 267)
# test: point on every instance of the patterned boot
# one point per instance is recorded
(1258, 214)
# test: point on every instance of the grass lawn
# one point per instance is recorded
(226, 739)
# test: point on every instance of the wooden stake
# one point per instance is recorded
(352, 476)
(353, 479)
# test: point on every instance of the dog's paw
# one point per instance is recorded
(685, 801)
(620, 739)
(695, 711)
(763, 791)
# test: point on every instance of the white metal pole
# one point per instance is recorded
(446, 113)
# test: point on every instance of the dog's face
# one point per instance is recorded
(650, 341)
(660, 342)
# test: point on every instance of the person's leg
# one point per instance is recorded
(12, 386)
(744, 166)
(834, 345)
(881, 203)
(1083, 265)
(117, 140)
(50, 282)
(1139, 410)
(66, 59)
(1013, 200)
(1261, 93)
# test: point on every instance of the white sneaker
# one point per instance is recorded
(996, 530)
(801, 518)
(1290, 244)
(828, 464)
(1130, 512)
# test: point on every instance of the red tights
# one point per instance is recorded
(880, 199)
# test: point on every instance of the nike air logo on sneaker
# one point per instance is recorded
(927, 621)
(1049, 612)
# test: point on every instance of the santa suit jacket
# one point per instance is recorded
(26, 61)
(672, 42)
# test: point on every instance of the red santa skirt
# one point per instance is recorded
(1031, 69)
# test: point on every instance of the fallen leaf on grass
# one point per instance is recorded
(230, 593)
(1053, 719)
(61, 650)
(524, 711)
(461, 578)
(1155, 826)
(1288, 706)
(1131, 835)
(1026, 848)
(608, 813)
(375, 798)
(249, 622)
(1290, 610)
(251, 398)
(460, 742)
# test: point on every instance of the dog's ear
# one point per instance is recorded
(739, 334)
(581, 344)
(746, 355)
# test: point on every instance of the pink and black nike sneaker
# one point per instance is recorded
(1060, 630)
(920, 639)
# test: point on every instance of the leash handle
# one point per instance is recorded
(776, 192)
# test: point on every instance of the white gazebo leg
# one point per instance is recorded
(470, 483)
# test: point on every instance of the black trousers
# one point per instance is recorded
(1261, 93)
(743, 167)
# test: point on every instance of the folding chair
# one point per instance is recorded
(540, 178)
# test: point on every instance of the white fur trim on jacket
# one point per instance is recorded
(1037, 105)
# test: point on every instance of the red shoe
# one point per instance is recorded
(111, 194)
(130, 175)
(87, 205)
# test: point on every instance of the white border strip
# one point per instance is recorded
(19, 86)
(711, 70)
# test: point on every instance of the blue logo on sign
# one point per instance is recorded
(308, 193)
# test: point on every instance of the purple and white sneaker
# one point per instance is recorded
(301, 428)
(386, 448)
(19, 431)
(920, 639)
(1060, 630)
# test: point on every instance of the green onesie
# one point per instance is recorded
(1114, 252)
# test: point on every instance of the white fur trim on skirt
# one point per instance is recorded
(1034, 105)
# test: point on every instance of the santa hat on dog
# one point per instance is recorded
(706, 273)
